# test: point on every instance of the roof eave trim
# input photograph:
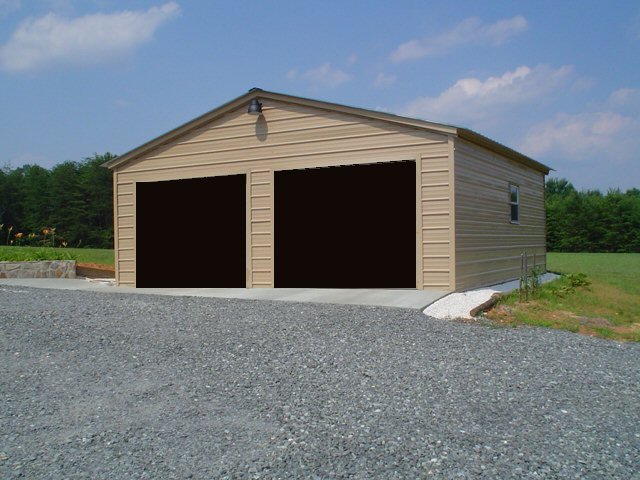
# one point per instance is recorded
(178, 131)
(361, 112)
(494, 146)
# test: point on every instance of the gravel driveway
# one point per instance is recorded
(133, 386)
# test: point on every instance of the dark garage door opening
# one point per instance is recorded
(191, 233)
(346, 227)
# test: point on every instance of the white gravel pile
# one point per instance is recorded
(111, 282)
(459, 304)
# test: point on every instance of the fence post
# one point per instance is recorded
(520, 279)
(526, 277)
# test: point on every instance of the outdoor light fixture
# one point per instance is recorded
(255, 107)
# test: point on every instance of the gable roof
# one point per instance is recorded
(243, 100)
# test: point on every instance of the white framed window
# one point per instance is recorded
(514, 203)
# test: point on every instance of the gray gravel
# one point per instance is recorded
(132, 386)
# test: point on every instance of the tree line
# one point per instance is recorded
(589, 221)
(72, 204)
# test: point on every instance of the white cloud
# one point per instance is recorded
(323, 76)
(87, 40)
(384, 80)
(473, 99)
(624, 97)
(606, 135)
(582, 84)
(469, 31)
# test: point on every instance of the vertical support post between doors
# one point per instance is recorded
(419, 260)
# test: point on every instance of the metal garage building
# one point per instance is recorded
(272, 190)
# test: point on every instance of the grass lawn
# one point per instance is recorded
(608, 307)
(88, 255)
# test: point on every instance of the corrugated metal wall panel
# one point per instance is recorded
(221, 167)
(126, 243)
(260, 228)
(117, 196)
(488, 245)
(124, 227)
(242, 154)
(436, 206)
(238, 137)
(125, 187)
(294, 137)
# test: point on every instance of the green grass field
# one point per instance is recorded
(88, 255)
(608, 307)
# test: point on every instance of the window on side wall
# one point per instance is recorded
(514, 203)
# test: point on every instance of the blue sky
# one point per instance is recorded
(559, 81)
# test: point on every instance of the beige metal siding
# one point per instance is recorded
(292, 136)
(436, 207)
(260, 228)
(124, 224)
(289, 136)
(116, 240)
(487, 244)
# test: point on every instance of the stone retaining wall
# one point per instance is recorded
(41, 269)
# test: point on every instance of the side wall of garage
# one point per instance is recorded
(488, 245)
(289, 136)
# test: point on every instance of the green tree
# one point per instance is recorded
(558, 187)
(11, 200)
(589, 221)
(68, 209)
(34, 197)
(97, 193)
